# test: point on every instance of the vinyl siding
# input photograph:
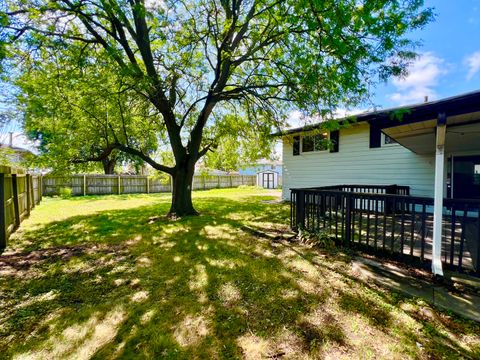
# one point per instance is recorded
(356, 163)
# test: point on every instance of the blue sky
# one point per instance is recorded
(450, 57)
(449, 62)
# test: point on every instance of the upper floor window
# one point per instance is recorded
(317, 142)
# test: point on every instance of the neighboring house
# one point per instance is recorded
(262, 165)
(201, 170)
(431, 149)
(14, 155)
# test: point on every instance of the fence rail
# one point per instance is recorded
(129, 184)
(396, 225)
(19, 193)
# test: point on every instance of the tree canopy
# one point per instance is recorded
(197, 61)
(79, 110)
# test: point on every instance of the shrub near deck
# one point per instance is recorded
(106, 277)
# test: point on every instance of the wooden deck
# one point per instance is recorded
(390, 222)
(409, 243)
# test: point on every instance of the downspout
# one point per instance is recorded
(438, 195)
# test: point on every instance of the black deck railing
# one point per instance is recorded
(386, 220)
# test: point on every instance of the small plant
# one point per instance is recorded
(319, 238)
(65, 192)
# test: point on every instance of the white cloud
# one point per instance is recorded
(296, 119)
(423, 76)
(342, 113)
(156, 4)
(473, 63)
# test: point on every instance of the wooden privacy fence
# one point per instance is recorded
(93, 184)
(19, 193)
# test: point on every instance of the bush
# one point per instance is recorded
(65, 192)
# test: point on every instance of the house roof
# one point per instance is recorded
(16, 149)
(454, 105)
(262, 162)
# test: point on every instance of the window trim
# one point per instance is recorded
(314, 151)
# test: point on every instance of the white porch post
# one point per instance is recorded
(438, 197)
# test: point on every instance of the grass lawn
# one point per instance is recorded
(107, 277)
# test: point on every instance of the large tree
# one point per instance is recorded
(198, 60)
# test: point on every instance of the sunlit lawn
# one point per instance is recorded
(109, 277)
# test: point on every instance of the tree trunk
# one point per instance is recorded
(109, 165)
(182, 191)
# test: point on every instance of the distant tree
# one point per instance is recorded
(198, 60)
(77, 113)
(239, 143)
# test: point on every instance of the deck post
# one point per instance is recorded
(348, 218)
(438, 195)
(300, 208)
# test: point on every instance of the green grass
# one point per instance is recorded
(107, 277)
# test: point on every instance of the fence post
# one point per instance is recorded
(148, 184)
(119, 185)
(16, 207)
(27, 192)
(40, 188)
(3, 225)
(84, 184)
(348, 218)
(32, 195)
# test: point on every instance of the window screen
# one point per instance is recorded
(318, 142)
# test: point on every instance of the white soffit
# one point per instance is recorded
(420, 137)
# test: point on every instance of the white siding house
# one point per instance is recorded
(357, 163)
(431, 150)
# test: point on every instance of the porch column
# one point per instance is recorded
(438, 197)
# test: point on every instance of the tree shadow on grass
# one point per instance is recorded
(115, 283)
(118, 284)
(423, 331)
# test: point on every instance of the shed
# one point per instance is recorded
(268, 179)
